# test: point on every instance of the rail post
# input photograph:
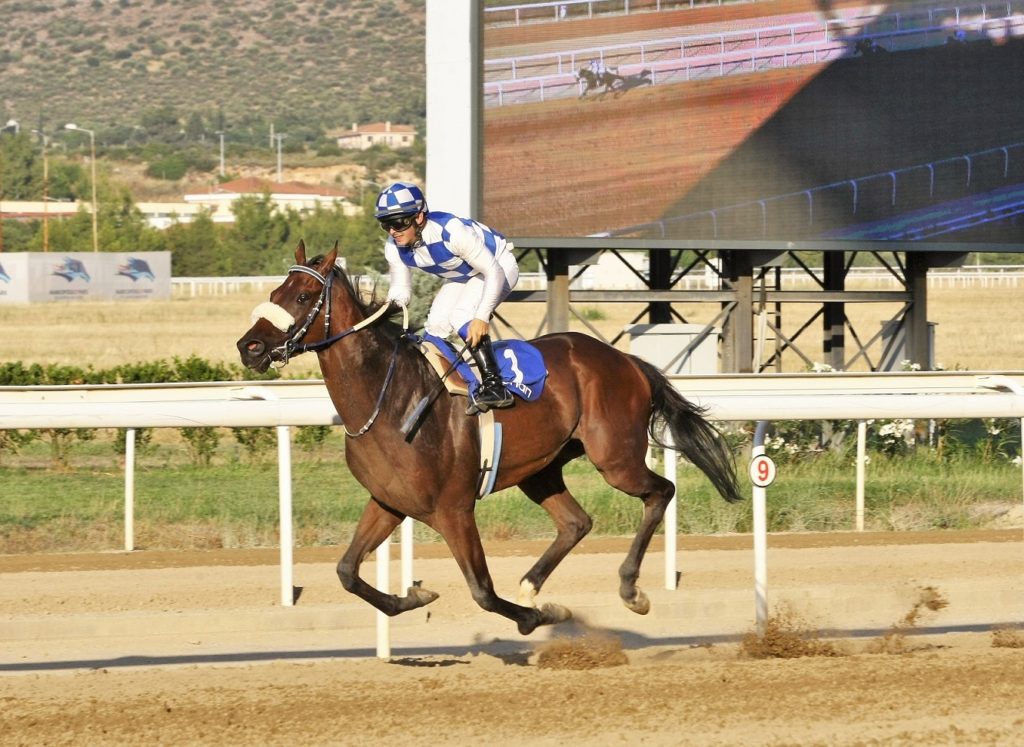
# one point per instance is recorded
(129, 490)
(284, 499)
(671, 517)
(762, 474)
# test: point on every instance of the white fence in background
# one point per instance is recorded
(570, 10)
(972, 276)
(222, 286)
(730, 397)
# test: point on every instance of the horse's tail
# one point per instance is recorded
(692, 435)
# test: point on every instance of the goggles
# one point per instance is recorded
(398, 223)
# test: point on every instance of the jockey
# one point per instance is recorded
(597, 68)
(476, 263)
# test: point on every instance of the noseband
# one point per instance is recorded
(294, 345)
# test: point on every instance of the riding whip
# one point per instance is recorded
(409, 426)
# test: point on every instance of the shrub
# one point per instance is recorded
(170, 168)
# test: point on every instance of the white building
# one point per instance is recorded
(218, 201)
(376, 133)
(296, 196)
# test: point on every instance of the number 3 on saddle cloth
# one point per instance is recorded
(521, 364)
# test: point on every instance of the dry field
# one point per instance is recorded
(103, 335)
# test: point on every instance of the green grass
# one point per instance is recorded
(234, 503)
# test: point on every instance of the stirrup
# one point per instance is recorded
(480, 403)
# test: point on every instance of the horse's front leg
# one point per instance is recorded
(460, 532)
(375, 525)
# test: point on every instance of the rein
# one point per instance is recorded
(294, 345)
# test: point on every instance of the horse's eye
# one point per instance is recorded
(304, 297)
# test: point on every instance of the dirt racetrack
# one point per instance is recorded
(192, 648)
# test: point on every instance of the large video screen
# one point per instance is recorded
(783, 120)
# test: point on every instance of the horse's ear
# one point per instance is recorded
(300, 253)
(328, 263)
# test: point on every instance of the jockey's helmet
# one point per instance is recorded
(401, 198)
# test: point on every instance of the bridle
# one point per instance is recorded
(294, 345)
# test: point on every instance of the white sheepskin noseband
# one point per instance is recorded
(273, 314)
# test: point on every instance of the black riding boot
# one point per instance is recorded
(491, 394)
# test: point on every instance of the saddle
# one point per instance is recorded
(454, 382)
(519, 365)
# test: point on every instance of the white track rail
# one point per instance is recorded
(739, 397)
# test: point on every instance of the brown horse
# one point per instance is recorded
(596, 401)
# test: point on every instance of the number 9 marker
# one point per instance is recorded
(762, 471)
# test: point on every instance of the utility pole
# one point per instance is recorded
(279, 137)
(46, 191)
(221, 134)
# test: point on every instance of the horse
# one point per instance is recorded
(608, 79)
(597, 401)
(869, 48)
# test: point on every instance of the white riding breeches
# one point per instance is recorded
(456, 304)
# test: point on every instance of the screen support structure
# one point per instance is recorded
(744, 269)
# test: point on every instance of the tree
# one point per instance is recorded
(20, 174)
(19, 236)
(252, 246)
(162, 124)
(63, 176)
(195, 248)
(123, 228)
(72, 234)
(194, 129)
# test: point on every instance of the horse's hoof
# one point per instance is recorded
(549, 614)
(552, 614)
(529, 624)
(420, 597)
(639, 604)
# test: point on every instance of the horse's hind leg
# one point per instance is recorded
(656, 498)
(547, 489)
(460, 532)
(376, 523)
(624, 468)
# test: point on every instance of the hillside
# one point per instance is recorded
(304, 66)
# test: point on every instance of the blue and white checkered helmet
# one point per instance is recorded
(401, 198)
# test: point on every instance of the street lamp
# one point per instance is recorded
(92, 161)
(221, 133)
(46, 189)
(366, 182)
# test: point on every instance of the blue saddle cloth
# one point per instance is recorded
(521, 365)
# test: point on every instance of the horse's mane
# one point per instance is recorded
(387, 325)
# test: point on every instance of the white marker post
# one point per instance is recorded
(383, 558)
(284, 500)
(762, 474)
(129, 490)
(671, 517)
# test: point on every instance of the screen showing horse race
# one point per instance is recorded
(784, 120)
